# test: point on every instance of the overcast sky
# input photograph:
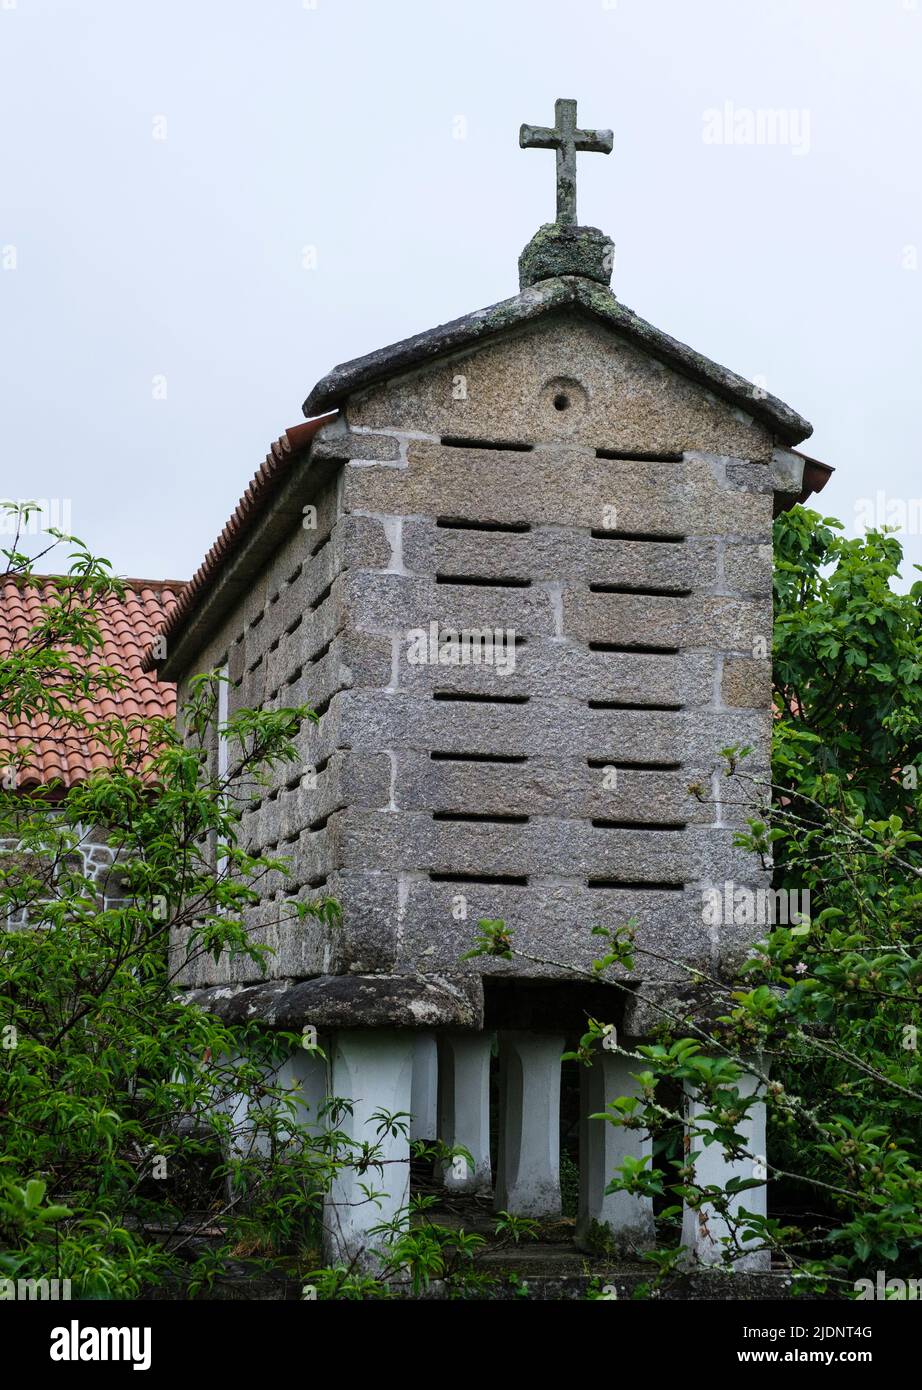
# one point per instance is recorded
(167, 168)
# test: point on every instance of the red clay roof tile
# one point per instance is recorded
(293, 444)
(128, 626)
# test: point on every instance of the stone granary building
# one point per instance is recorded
(520, 565)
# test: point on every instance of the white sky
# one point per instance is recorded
(334, 126)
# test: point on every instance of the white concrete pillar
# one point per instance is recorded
(245, 1141)
(528, 1177)
(602, 1147)
(374, 1070)
(464, 1108)
(307, 1076)
(703, 1231)
(424, 1094)
(302, 1073)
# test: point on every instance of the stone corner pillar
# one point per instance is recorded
(625, 1219)
(464, 1108)
(528, 1177)
(372, 1068)
(307, 1077)
(704, 1232)
(424, 1090)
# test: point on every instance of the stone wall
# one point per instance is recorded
(93, 857)
(617, 518)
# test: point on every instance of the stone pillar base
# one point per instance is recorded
(464, 1109)
(703, 1232)
(373, 1069)
(424, 1097)
(528, 1178)
(308, 1077)
(616, 1219)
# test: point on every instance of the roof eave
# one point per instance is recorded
(272, 505)
(796, 477)
(816, 476)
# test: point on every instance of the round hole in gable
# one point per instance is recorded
(564, 400)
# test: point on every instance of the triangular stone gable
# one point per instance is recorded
(564, 378)
(548, 300)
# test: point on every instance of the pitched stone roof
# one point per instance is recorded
(569, 292)
(127, 625)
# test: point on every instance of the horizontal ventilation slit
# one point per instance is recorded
(628, 704)
(634, 648)
(457, 441)
(477, 580)
(634, 886)
(511, 880)
(637, 456)
(322, 597)
(479, 818)
(462, 697)
(321, 709)
(668, 538)
(441, 757)
(295, 676)
(321, 543)
(649, 590)
(458, 523)
(294, 624)
(633, 766)
(294, 782)
(319, 655)
(639, 824)
(319, 824)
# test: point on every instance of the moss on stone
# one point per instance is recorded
(558, 249)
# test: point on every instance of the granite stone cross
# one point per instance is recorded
(566, 139)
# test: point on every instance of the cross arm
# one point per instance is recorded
(539, 137)
(594, 141)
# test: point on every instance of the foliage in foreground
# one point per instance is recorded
(143, 1144)
(827, 1013)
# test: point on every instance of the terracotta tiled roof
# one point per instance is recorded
(816, 475)
(293, 444)
(128, 626)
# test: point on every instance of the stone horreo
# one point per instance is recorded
(557, 475)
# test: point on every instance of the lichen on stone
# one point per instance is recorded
(559, 249)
